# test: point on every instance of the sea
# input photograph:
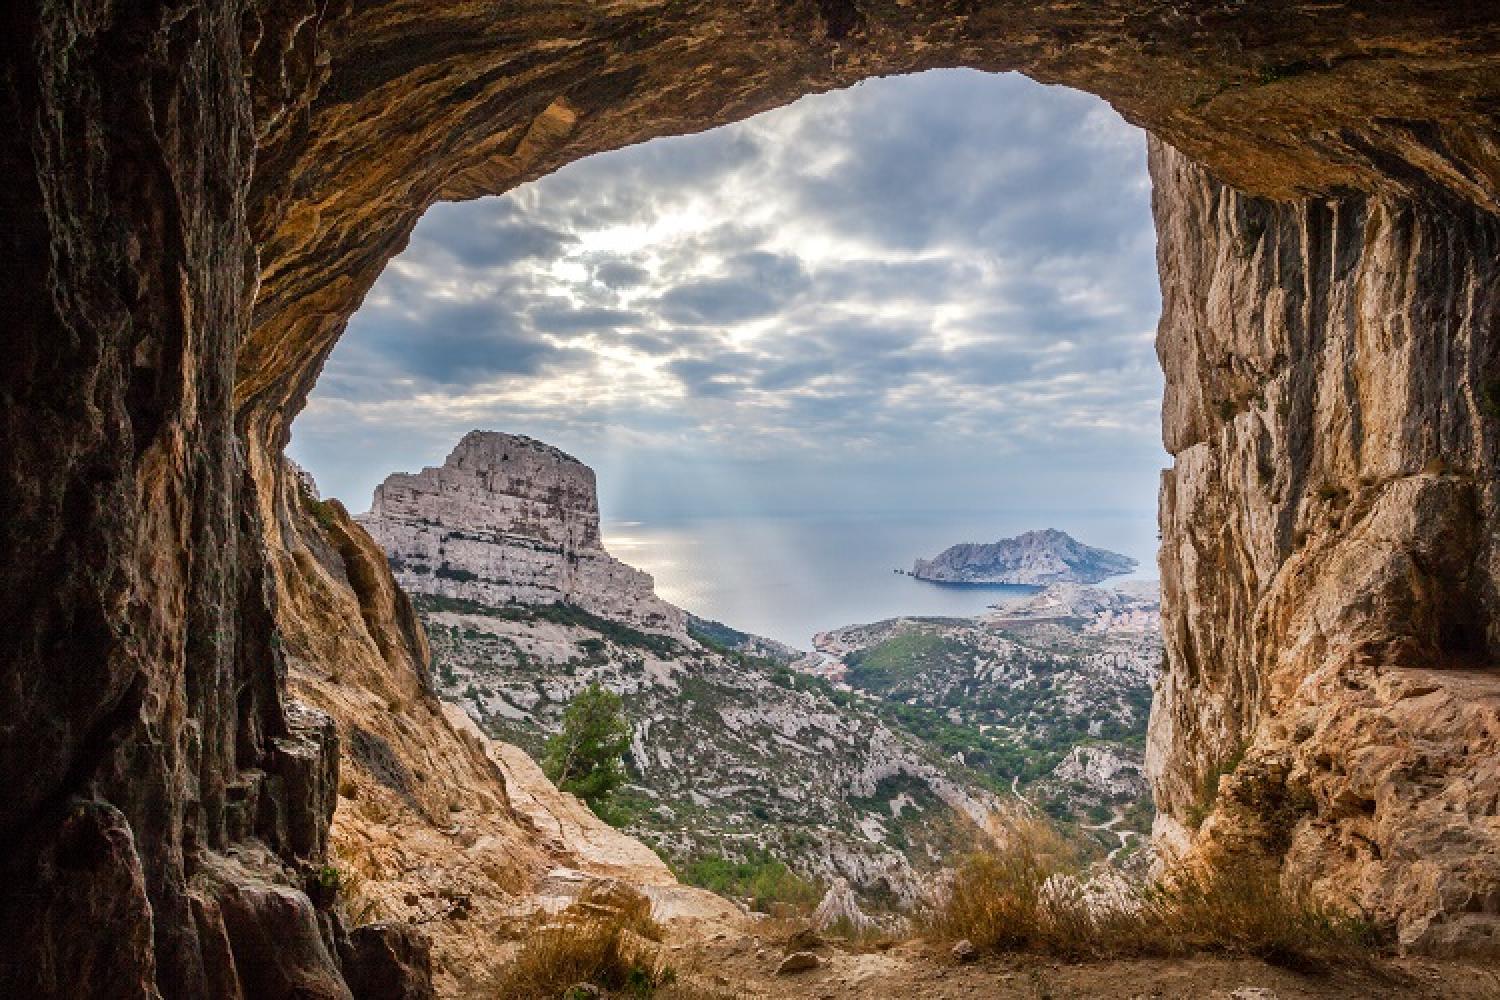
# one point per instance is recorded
(788, 577)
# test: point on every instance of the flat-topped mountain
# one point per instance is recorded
(508, 519)
(1036, 558)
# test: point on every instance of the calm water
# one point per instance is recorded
(789, 577)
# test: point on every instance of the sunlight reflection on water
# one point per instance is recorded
(790, 577)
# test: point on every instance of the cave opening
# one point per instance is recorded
(932, 294)
(205, 193)
(799, 354)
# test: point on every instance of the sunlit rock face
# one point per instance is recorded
(1329, 563)
(508, 519)
(199, 195)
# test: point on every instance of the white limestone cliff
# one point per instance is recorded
(509, 519)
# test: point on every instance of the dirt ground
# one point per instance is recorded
(745, 967)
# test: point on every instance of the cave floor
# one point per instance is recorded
(745, 967)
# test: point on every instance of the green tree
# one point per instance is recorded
(587, 757)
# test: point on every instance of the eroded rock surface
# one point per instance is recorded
(508, 519)
(388, 962)
(839, 910)
(1329, 564)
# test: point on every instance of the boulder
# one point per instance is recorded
(388, 961)
(797, 962)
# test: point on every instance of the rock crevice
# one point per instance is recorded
(1328, 543)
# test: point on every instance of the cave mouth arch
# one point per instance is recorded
(1247, 531)
(952, 271)
(203, 200)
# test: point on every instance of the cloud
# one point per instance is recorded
(620, 275)
(574, 319)
(952, 268)
(502, 236)
(756, 285)
(457, 343)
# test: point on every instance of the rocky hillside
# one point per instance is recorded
(1034, 558)
(508, 519)
(736, 758)
(875, 761)
(1050, 698)
(437, 830)
(733, 758)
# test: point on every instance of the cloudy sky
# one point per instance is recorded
(927, 293)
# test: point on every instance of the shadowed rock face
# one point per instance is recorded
(199, 194)
(1329, 565)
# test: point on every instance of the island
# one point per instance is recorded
(1036, 558)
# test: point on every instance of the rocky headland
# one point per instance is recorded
(1035, 558)
(507, 519)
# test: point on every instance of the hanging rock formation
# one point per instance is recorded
(509, 519)
(199, 194)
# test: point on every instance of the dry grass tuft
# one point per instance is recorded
(867, 938)
(606, 938)
(995, 899)
(1029, 897)
(600, 951)
(610, 900)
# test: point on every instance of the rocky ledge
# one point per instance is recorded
(1036, 558)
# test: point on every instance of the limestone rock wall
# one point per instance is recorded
(430, 832)
(165, 800)
(508, 518)
(1329, 563)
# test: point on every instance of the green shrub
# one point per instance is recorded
(322, 511)
(1489, 398)
(760, 881)
(329, 879)
(587, 757)
(1208, 788)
